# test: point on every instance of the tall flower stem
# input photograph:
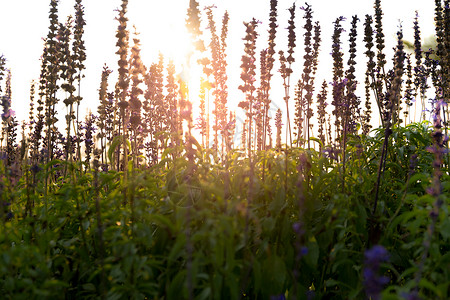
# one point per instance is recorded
(394, 94)
(122, 86)
(79, 57)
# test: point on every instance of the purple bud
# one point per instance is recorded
(304, 251)
(297, 227)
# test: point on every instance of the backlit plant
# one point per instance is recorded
(129, 205)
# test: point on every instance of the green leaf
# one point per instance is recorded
(257, 272)
(205, 294)
(163, 221)
(112, 148)
(277, 202)
(331, 283)
(274, 276)
(424, 283)
(445, 229)
(312, 256)
(176, 289)
(53, 283)
(85, 224)
(177, 249)
(89, 287)
(316, 140)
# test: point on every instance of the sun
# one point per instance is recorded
(163, 30)
(176, 45)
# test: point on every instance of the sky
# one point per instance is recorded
(25, 23)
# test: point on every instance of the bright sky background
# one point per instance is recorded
(161, 23)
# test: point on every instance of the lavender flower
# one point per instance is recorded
(219, 64)
(310, 295)
(381, 60)
(374, 283)
(5, 101)
(9, 215)
(248, 76)
(352, 113)
(2, 67)
(89, 130)
(35, 169)
(321, 111)
(411, 296)
(305, 86)
(193, 25)
(278, 125)
(338, 74)
(331, 153)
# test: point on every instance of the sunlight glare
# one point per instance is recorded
(176, 45)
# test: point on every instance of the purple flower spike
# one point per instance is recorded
(376, 255)
(297, 227)
(374, 283)
(411, 296)
(304, 251)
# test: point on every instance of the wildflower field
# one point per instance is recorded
(162, 194)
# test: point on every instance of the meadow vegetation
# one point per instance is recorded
(308, 203)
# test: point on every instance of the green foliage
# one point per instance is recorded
(202, 222)
(196, 230)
